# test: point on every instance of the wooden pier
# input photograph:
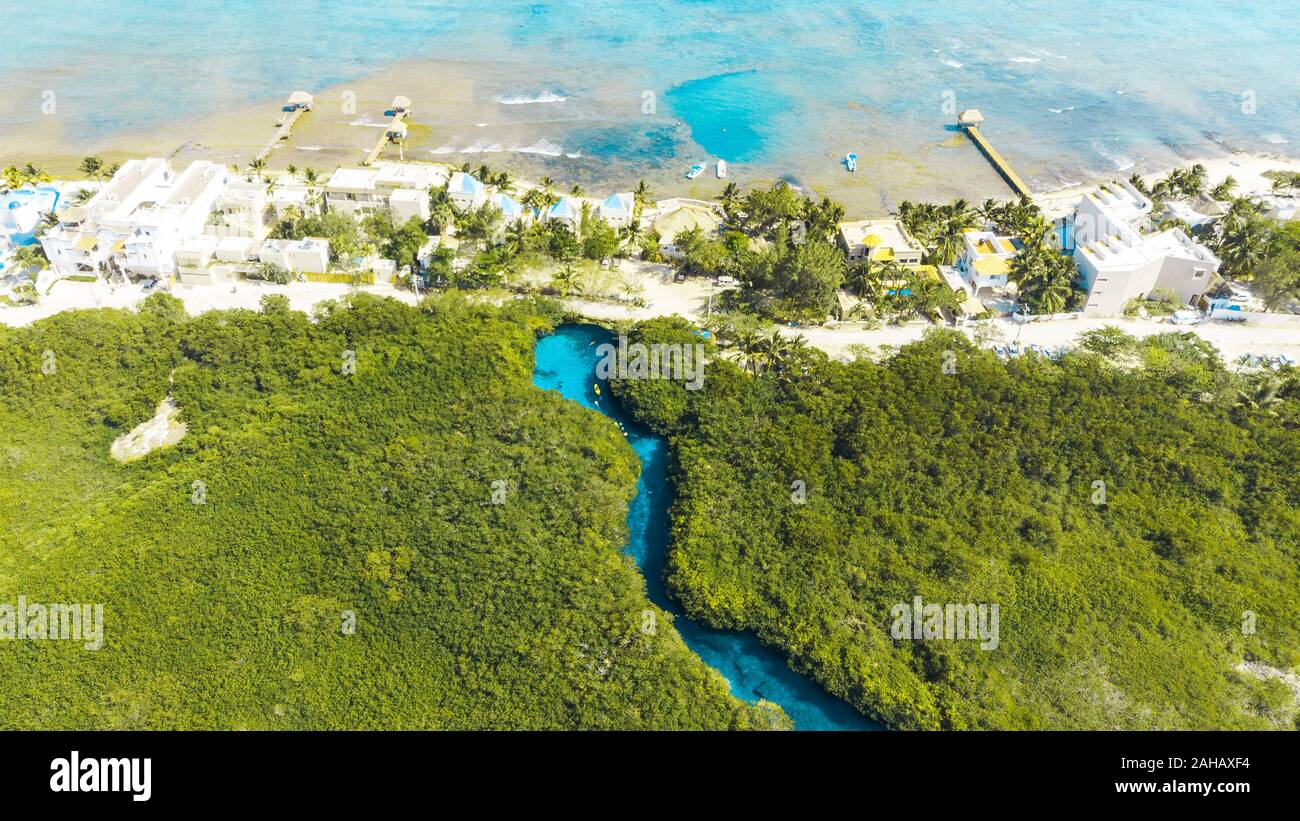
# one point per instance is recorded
(396, 130)
(969, 121)
(300, 102)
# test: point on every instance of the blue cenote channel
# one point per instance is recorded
(566, 362)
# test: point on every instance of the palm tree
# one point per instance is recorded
(862, 277)
(503, 182)
(961, 211)
(13, 177)
(948, 242)
(777, 349)
(730, 199)
(516, 238)
(83, 196)
(989, 210)
(1140, 184)
(576, 191)
(1194, 181)
(1027, 266)
(1049, 295)
(641, 196)
(92, 167)
(256, 167)
(631, 234)
(310, 175)
(35, 174)
(1241, 243)
(28, 257)
(1223, 190)
(564, 279)
(1262, 398)
(749, 344)
(1161, 191)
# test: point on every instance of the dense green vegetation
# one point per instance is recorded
(779, 245)
(977, 483)
(327, 492)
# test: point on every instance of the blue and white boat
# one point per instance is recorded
(695, 171)
(851, 161)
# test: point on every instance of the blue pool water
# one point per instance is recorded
(566, 362)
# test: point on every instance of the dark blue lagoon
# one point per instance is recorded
(566, 362)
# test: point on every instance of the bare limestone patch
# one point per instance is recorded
(159, 432)
(1264, 672)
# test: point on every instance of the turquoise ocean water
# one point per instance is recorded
(778, 86)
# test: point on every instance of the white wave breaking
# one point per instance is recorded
(544, 148)
(1121, 161)
(530, 99)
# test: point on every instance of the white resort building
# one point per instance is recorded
(308, 256)
(567, 210)
(400, 186)
(465, 191)
(1121, 257)
(137, 222)
(619, 209)
(510, 208)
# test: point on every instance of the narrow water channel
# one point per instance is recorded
(566, 362)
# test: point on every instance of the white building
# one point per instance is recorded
(137, 221)
(465, 191)
(985, 260)
(567, 210)
(307, 256)
(363, 191)
(1120, 256)
(618, 210)
(510, 208)
(408, 204)
(155, 230)
(881, 240)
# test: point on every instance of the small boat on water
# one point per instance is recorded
(596, 388)
(695, 171)
(722, 169)
(851, 161)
